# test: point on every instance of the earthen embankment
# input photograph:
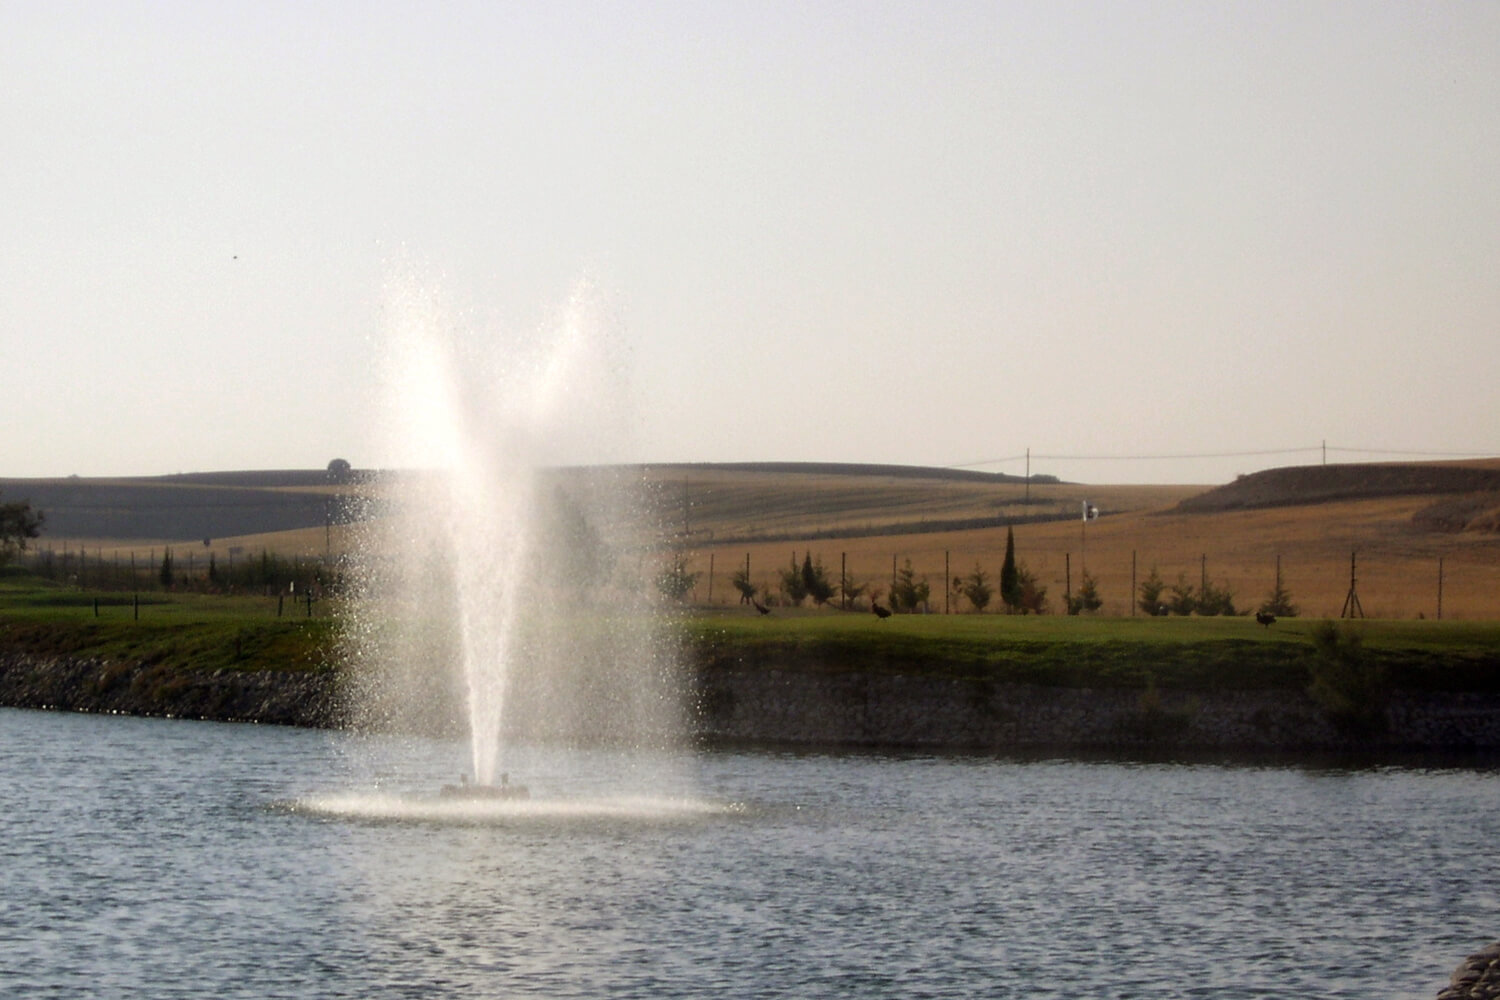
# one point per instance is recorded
(799, 705)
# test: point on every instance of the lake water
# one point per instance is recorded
(149, 858)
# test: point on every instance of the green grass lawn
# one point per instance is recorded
(969, 629)
(191, 631)
(1087, 651)
(207, 632)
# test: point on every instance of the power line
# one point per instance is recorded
(1425, 454)
(988, 461)
(1135, 458)
(1175, 456)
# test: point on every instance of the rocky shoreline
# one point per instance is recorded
(278, 697)
(807, 707)
(1476, 978)
(870, 709)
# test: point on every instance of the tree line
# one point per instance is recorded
(1017, 588)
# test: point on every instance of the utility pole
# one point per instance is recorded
(1089, 513)
(1351, 602)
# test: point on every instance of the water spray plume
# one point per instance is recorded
(495, 553)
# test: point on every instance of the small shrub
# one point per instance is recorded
(1352, 690)
(741, 581)
(793, 584)
(1087, 598)
(1149, 594)
(1184, 599)
(907, 592)
(675, 582)
(815, 581)
(1033, 596)
(1216, 600)
(1279, 602)
(975, 588)
(1152, 721)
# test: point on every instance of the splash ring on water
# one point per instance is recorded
(390, 807)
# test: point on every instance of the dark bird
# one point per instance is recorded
(879, 611)
(1265, 618)
(760, 607)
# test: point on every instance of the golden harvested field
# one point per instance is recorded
(1397, 568)
(1400, 520)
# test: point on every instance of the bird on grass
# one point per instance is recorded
(760, 607)
(879, 611)
(1265, 618)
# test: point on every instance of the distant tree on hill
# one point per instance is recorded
(19, 524)
(166, 575)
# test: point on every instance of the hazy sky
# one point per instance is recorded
(928, 233)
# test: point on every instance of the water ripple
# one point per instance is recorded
(167, 859)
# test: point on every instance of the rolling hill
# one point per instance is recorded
(1416, 533)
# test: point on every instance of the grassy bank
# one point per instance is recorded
(206, 633)
(181, 631)
(1104, 652)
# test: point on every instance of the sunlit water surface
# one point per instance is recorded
(157, 858)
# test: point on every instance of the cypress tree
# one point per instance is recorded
(1010, 580)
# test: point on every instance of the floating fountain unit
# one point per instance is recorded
(468, 790)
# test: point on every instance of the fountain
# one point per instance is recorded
(507, 548)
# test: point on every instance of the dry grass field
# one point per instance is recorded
(1397, 549)
(1399, 520)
